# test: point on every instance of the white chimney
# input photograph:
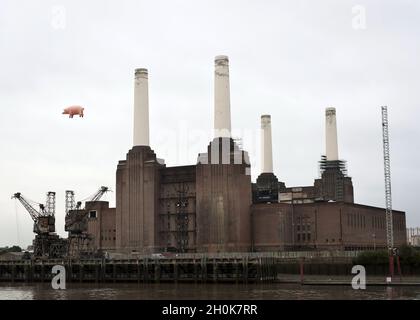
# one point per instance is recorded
(331, 134)
(222, 127)
(141, 108)
(266, 145)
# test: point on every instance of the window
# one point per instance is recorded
(303, 237)
(309, 236)
(298, 237)
(93, 214)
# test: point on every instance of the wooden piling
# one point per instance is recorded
(157, 271)
(245, 269)
(236, 270)
(145, 270)
(175, 271)
(114, 272)
(42, 272)
(96, 272)
(81, 272)
(301, 270)
(215, 271)
(195, 267)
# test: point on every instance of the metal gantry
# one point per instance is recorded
(182, 219)
(387, 172)
(50, 203)
(70, 202)
(46, 243)
(76, 220)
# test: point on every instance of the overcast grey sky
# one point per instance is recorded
(290, 59)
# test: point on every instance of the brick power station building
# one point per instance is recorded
(214, 207)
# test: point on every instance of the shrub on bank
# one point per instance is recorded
(409, 256)
(10, 249)
(378, 257)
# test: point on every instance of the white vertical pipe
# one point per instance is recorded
(141, 108)
(266, 145)
(222, 121)
(331, 144)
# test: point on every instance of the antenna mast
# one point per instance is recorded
(387, 171)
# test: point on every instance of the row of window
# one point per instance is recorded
(108, 238)
(304, 227)
(303, 237)
(378, 222)
(109, 231)
(357, 220)
(331, 240)
(398, 223)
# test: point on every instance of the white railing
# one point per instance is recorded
(241, 255)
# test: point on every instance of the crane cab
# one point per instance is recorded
(44, 225)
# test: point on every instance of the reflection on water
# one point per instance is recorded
(202, 292)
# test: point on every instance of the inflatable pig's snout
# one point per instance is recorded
(65, 111)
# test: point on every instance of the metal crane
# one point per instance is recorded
(44, 219)
(47, 244)
(98, 195)
(76, 220)
(71, 205)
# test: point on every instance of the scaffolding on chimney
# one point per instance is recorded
(238, 142)
(182, 219)
(325, 164)
(335, 170)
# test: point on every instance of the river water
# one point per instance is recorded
(171, 291)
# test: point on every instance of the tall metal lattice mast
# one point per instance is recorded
(70, 202)
(50, 203)
(387, 171)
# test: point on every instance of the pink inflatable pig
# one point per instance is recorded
(74, 110)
